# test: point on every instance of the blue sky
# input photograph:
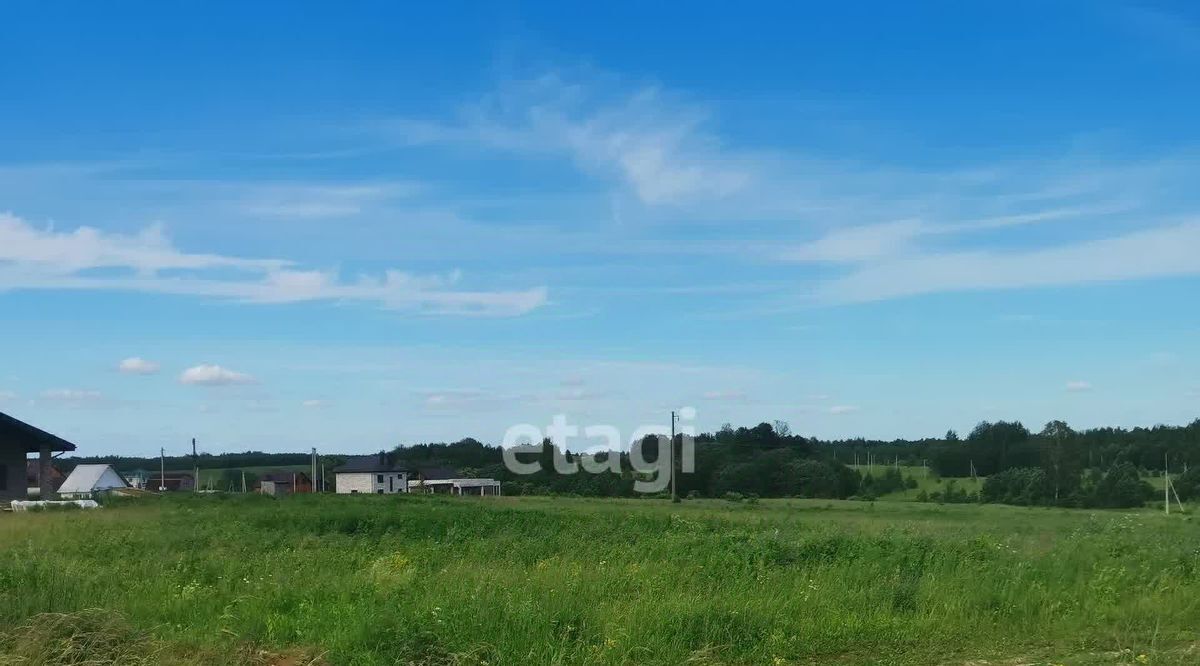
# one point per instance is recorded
(289, 225)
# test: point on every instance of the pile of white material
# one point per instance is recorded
(21, 505)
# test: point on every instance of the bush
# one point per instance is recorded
(1121, 487)
(1023, 486)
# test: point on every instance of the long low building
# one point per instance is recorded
(380, 476)
(481, 487)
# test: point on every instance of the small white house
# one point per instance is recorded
(86, 480)
(371, 474)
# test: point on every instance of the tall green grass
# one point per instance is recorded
(432, 580)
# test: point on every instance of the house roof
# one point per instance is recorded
(30, 437)
(375, 463)
(87, 478)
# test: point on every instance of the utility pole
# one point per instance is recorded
(674, 489)
(162, 470)
(1166, 486)
(195, 468)
(312, 480)
(243, 481)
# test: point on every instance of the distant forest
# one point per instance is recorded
(1056, 465)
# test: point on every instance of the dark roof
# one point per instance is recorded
(30, 437)
(375, 463)
(438, 473)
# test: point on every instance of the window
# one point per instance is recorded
(353, 492)
(380, 491)
(379, 478)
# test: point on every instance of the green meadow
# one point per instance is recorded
(323, 579)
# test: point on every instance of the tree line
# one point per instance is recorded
(1056, 465)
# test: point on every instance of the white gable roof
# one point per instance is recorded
(90, 478)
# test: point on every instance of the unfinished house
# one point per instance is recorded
(17, 440)
(371, 474)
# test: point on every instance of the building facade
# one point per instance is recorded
(371, 475)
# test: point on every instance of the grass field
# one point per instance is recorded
(435, 580)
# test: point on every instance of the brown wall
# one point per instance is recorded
(12, 458)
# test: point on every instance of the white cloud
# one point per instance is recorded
(7, 396)
(315, 403)
(48, 252)
(213, 375)
(843, 409)
(33, 258)
(137, 366)
(1078, 386)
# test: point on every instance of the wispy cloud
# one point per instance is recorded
(315, 200)
(1078, 386)
(454, 401)
(71, 397)
(137, 366)
(843, 409)
(725, 396)
(1160, 252)
(660, 147)
(886, 232)
(88, 259)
